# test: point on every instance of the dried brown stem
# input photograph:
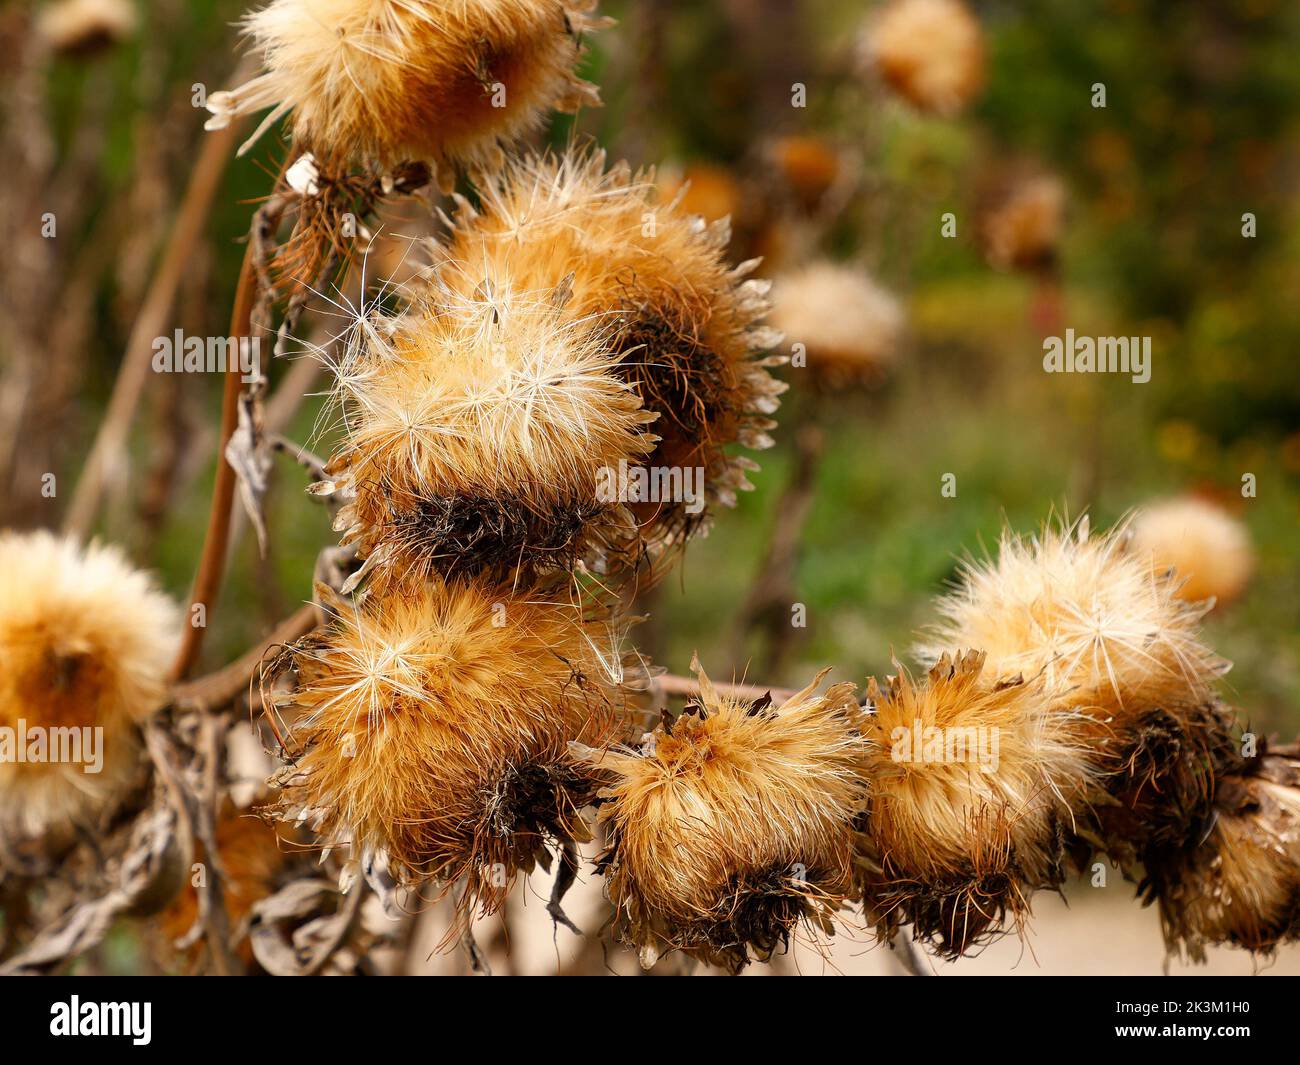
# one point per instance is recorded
(212, 563)
(107, 452)
(206, 800)
(908, 954)
(226, 684)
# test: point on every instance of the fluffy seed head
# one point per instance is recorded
(1121, 657)
(83, 27)
(1091, 617)
(849, 326)
(733, 823)
(479, 426)
(1207, 548)
(86, 640)
(434, 729)
(809, 167)
(384, 81)
(931, 52)
(1021, 228)
(966, 817)
(681, 322)
(1240, 883)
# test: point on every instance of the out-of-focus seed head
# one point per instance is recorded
(85, 27)
(931, 52)
(86, 640)
(1022, 223)
(1207, 548)
(847, 327)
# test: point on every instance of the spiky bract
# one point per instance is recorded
(733, 824)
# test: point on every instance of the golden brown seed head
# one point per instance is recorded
(1105, 632)
(931, 52)
(967, 815)
(733, 824)
(480, 425)
(435, 728)
(86, 641)
(385, 81)
(683, 325)
(1240, 883)
(1122, 664)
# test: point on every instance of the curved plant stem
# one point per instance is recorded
(223, 686)
(207, 582)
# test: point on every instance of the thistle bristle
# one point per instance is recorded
(732, 825)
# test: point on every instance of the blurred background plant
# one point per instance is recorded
(1135, 222)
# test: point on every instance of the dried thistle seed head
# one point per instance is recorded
(1240, 884)
(434, 729)
(733, 824)
(480, 427)
(966, 818)
(848, 328)
(85, 27)
(1106, 633)
(1121, 657)
(931, 52)
(682, 323)
(384, 81)
(1208, 549)
(1022, 223)
(808, 168)
(86, 641)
